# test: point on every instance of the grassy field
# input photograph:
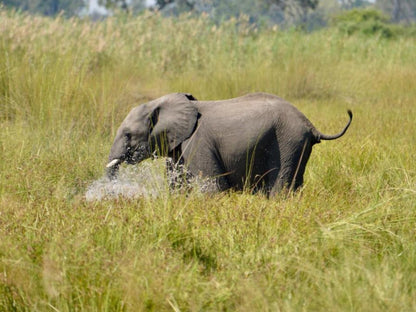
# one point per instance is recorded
(345, 242)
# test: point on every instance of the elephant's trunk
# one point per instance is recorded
(112, 168)
(320, 136)
(117, 155)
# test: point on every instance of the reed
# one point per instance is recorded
(344, 242)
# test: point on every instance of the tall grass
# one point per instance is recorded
(346, 241)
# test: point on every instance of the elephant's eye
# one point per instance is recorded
(128, 135)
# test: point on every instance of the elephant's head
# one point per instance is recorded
(160, 125)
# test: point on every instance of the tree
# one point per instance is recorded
(350, 4)
(163, 3)
(398, 10)
(275, 11)
(220, 9)
(110, 4)
(175, 7)
(46, 7)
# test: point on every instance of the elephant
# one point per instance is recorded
(258, 141)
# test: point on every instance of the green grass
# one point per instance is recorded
(345, 242)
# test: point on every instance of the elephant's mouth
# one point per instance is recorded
(134, 156)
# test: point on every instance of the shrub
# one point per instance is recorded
(368, 22)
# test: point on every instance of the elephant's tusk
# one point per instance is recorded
(113, 163)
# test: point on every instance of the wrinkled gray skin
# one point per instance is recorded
(258, 140)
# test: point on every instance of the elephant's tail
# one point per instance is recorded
(320, 136)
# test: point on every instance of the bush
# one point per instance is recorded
(368, 22)
(360, 16)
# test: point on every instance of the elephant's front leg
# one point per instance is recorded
(206, 167)
(210, 177)
(178, 176)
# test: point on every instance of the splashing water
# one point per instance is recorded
(148, 180)
(144, 180)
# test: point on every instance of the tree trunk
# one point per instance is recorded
(396, 10)
(55, 7)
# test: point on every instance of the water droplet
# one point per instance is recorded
(149, 180)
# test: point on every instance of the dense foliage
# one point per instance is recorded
(311, 14)
(45, 7)
(370, 22)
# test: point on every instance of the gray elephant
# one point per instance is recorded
(257, 141)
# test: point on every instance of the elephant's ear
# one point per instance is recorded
(175, 116)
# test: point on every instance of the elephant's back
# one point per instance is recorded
(250, 98)
(254, 113)
(253, 105)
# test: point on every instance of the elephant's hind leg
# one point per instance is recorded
(293, 162)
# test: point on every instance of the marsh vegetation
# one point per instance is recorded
(345, 242)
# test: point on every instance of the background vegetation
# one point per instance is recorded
(345, 242)
(309, 14)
